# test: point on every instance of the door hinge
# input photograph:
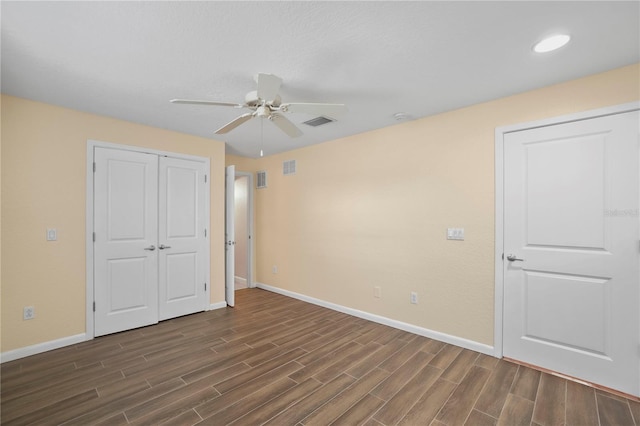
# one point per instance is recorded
(94, 306)
(94, 237)
(205, 178)
(94, 167)
(205, 286)
(205, 232)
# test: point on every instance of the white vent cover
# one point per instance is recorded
(318, 121)
(289, 167)
(261, 179)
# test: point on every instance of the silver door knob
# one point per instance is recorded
(150, 248)
(162, 247)
(513, 258)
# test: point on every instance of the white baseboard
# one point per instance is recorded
(240, 279)
(42, 347)
(436, 335)
(217, 305)
(65, 341)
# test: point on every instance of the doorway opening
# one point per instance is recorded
(242, 224)
(243, 244)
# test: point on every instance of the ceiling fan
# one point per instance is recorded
(266, 103)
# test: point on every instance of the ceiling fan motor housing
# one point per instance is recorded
(252, 100)
(266, 103)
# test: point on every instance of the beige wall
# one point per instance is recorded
(372, 209)
(43, 185)
(243, 164)
(367, 210)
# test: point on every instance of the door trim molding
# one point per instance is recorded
(89, 229)
(500, 133)
(250, 246)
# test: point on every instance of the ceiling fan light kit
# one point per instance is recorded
(266, 103)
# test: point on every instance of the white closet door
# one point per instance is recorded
(181, 237)
(126, 228)
(571, 249)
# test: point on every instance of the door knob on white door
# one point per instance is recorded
(150, 248)
(512, 258)
(162, 247)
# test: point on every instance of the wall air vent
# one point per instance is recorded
(289, 167)
(261, 179)
(318, 121)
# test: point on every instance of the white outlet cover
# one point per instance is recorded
(28, 313)
(52, 234)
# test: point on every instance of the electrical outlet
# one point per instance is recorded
(414, 298)
(274, 269)
(28, 313)
(376, 291)
(52, 234)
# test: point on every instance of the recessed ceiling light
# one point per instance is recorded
(551, 43)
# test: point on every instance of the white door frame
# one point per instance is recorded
(250, 245)
(499, 194)
(229, 235)
(91, 144)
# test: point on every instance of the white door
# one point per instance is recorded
(181, 237)
(126, 231)
(229, 242)
(571, 231)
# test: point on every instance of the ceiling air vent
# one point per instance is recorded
(289, 167)
(261, 179)
(318, 121)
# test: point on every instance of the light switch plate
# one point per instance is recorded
(455, 233)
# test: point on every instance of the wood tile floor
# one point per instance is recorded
(279, 361)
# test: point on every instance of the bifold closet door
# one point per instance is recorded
(182, 285)
(150, 248)
(126, 233)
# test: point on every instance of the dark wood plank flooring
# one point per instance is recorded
(279, 361)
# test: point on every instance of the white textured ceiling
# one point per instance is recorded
(128, 59)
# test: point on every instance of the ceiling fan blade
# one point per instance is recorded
(285, 125)
(268, 86)
(235, 123)
(197, 102)
(329, 110)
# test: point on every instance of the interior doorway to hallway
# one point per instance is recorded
(243, 225)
